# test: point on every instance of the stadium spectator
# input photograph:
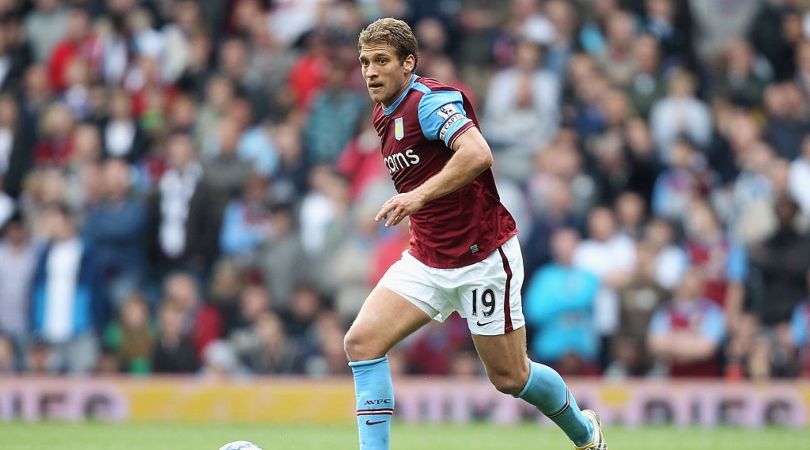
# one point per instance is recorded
(722, 261)
(561, 47)
(348, 270)
(685, 179)
(116, 227)
(783, 263)
(19, 259)
(253, 302)
(200, 319)
(638, 300)
(173, 351)
(80, 45)
(246, 219)
(631, 214)
(224, 291)
(646, 85)
(265, 348)
(302, 312)
(557, 214)
(121, 133)
(610, 256)
(67, 309)
(670, 259)
(742, 79)
(131, 336)
(560, 301)
(669, 21)
(310, 71)
(55, 145)
(329, 329)
(15, 143)
(180, 229)
(716, 24)
(685, 335)
(45, 26)
(616, 57)
(771, 35)
(291, 178)
(786, 125)
(282, 261)
(644, 165)
(335, 116)
(561, 166)
(521, 110)
(751, 208)
(680, 113)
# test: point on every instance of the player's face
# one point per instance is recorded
(385, 74)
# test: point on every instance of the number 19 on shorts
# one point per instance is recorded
(487, 302)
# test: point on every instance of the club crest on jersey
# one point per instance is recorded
(399, 128)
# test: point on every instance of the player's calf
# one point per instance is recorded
(546, 390)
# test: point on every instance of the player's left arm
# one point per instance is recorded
(471, 157)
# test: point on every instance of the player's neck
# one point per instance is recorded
(393, 99)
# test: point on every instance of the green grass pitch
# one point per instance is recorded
(97, 436)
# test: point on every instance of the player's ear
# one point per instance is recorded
(409, 63)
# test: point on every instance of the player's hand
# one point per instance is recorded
(399, 207)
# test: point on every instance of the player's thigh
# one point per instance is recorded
(489, 292)
(504, 358)
(385, 319)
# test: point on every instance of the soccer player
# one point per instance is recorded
(464, 255)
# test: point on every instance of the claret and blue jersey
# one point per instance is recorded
(417, 133)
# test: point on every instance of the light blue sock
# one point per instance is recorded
(375, 402)
(547, 391)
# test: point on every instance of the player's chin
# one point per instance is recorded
(376, 95)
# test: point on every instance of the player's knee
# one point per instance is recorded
(511, 382)
(358, 347)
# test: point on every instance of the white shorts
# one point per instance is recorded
(486, 293)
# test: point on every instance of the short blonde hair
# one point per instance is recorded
(392, 32)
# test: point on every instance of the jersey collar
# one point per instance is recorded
(390, 109)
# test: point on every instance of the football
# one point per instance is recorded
(240, 445)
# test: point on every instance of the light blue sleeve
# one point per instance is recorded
(713, 326)
(736, 266)
(798, 326)
(441, 115)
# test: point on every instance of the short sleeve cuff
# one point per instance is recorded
(455, 130)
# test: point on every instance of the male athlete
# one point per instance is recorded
(464, 254)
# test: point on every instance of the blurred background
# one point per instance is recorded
(189, 187)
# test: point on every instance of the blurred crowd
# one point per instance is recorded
(189, 187)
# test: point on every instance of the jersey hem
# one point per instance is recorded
(467, 261)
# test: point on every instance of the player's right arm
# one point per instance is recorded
(442, 117)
